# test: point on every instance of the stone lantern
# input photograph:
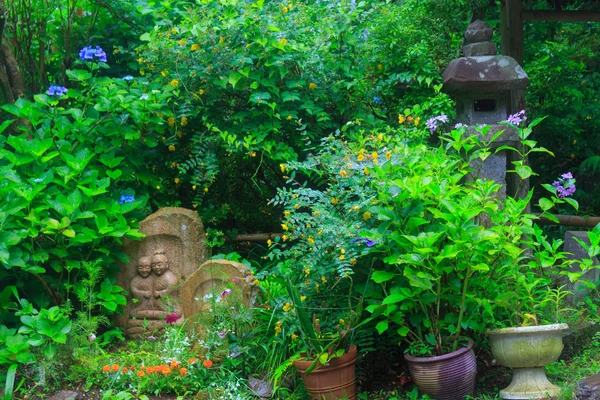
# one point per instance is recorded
(487, 88)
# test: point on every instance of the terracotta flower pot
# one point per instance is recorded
(446, 377)
(527, 350)
(335, 380)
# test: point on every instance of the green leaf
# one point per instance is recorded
(403, 331)
(382, 326)
(323, 358)
(393, 298)
(546, 204)
(382, 276)
(524, 171)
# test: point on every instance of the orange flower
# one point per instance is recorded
(208, 363)
(166, 371)
(125, 370)
(183, 371)
(203, 357)
(115, 367)
(150, 370)
(174, 364)
(140, 373)
(106, 368)
(192, 360)
(142, 368)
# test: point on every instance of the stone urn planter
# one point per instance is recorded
(334, 380)
(447, 377)
(527, 350)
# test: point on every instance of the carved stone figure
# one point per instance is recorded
(142, 287)
(174, 246)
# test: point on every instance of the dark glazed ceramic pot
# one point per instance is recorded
(335, 380)
(447, 377)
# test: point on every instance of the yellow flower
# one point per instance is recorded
(296, 206)
(176, 180)
(380, 136)
(171, 121)
(269, 242)
(158, 188)
(284, 227)
(140, 60)
(285, 10)
(342, 257)
(289, 117)
(163, 73)
(356, 208)
(302, 298)
(306, 271)
(417, 120)
(388, 155)
(283, 41)
(311, 240)
(343, 173)
(374, 155)
(312, 86)
(342, 322)
(285, 237)
(194, 187)
(286, 213)
(334, 200)
(323, 279)
(195, 47)
(205, 190)
(282, 167)
(181, 42)
(361, 157)
(342, 251)
(277, 330)
(320, 232)
(252, 154)
(366, 170)
(287, 307)
(366, 215)
(173, 31)
(201, 92)
(184, 121)
(172, 147)
(294, 336)
(255, 282)
(174, 82)
(361, 151)
(221, 40)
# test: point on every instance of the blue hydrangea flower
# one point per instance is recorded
(377, 100)
(55, 90)
(89, 54)
(126, 199)
(127, 78)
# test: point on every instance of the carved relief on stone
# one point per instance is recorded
(174, 247)
(156, 289)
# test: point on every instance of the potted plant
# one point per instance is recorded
(434, 248)
(326, 361)
(525, 289)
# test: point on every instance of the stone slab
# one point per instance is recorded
(484, 73)
(64, 395)
(173, 249)
(578, 253)
(210, 280)
(589, 388)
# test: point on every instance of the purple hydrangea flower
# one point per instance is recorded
(460, 125)
(565, 185)
(362, 240)
(126, 199)
(517, 118)
(89, 54)
(55, 90)
(225, 292)
(433, 121)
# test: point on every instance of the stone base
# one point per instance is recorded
(529, 383)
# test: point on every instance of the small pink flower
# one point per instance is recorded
(225, 292)
(222, 335)
(235, 279)
(171, 318)
(151, 338)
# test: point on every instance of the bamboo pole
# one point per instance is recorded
(572, 220)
